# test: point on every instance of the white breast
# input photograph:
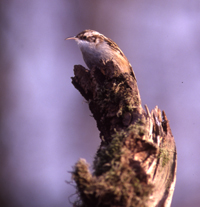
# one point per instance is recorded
(96, 53)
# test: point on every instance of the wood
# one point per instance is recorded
(135, 164)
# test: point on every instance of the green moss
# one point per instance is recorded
(114, 183)
(139, 128)
(116, 93)
(118, 186)
(164, 156)
(108, 154)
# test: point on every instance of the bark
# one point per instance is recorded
(135, 164)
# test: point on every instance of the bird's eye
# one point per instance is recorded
(84, 38)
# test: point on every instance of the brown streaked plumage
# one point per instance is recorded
(97, 49)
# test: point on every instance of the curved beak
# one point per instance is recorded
(71, 38)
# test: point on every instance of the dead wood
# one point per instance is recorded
(135, 164)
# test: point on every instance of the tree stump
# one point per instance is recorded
(135, 164)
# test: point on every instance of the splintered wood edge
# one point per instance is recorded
(165, 166)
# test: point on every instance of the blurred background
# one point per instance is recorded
(45, 124)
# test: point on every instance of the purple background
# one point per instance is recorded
(45, 124)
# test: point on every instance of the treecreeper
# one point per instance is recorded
(136, 162)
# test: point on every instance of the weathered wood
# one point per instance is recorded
(135, 164)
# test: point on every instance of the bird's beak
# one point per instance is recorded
(71, 38)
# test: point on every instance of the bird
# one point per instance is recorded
(97, 50)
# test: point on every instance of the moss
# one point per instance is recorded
(139, 128)
(115, 182)
(108, 154)
(116, 92)
(117, 187)
(164, 156)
